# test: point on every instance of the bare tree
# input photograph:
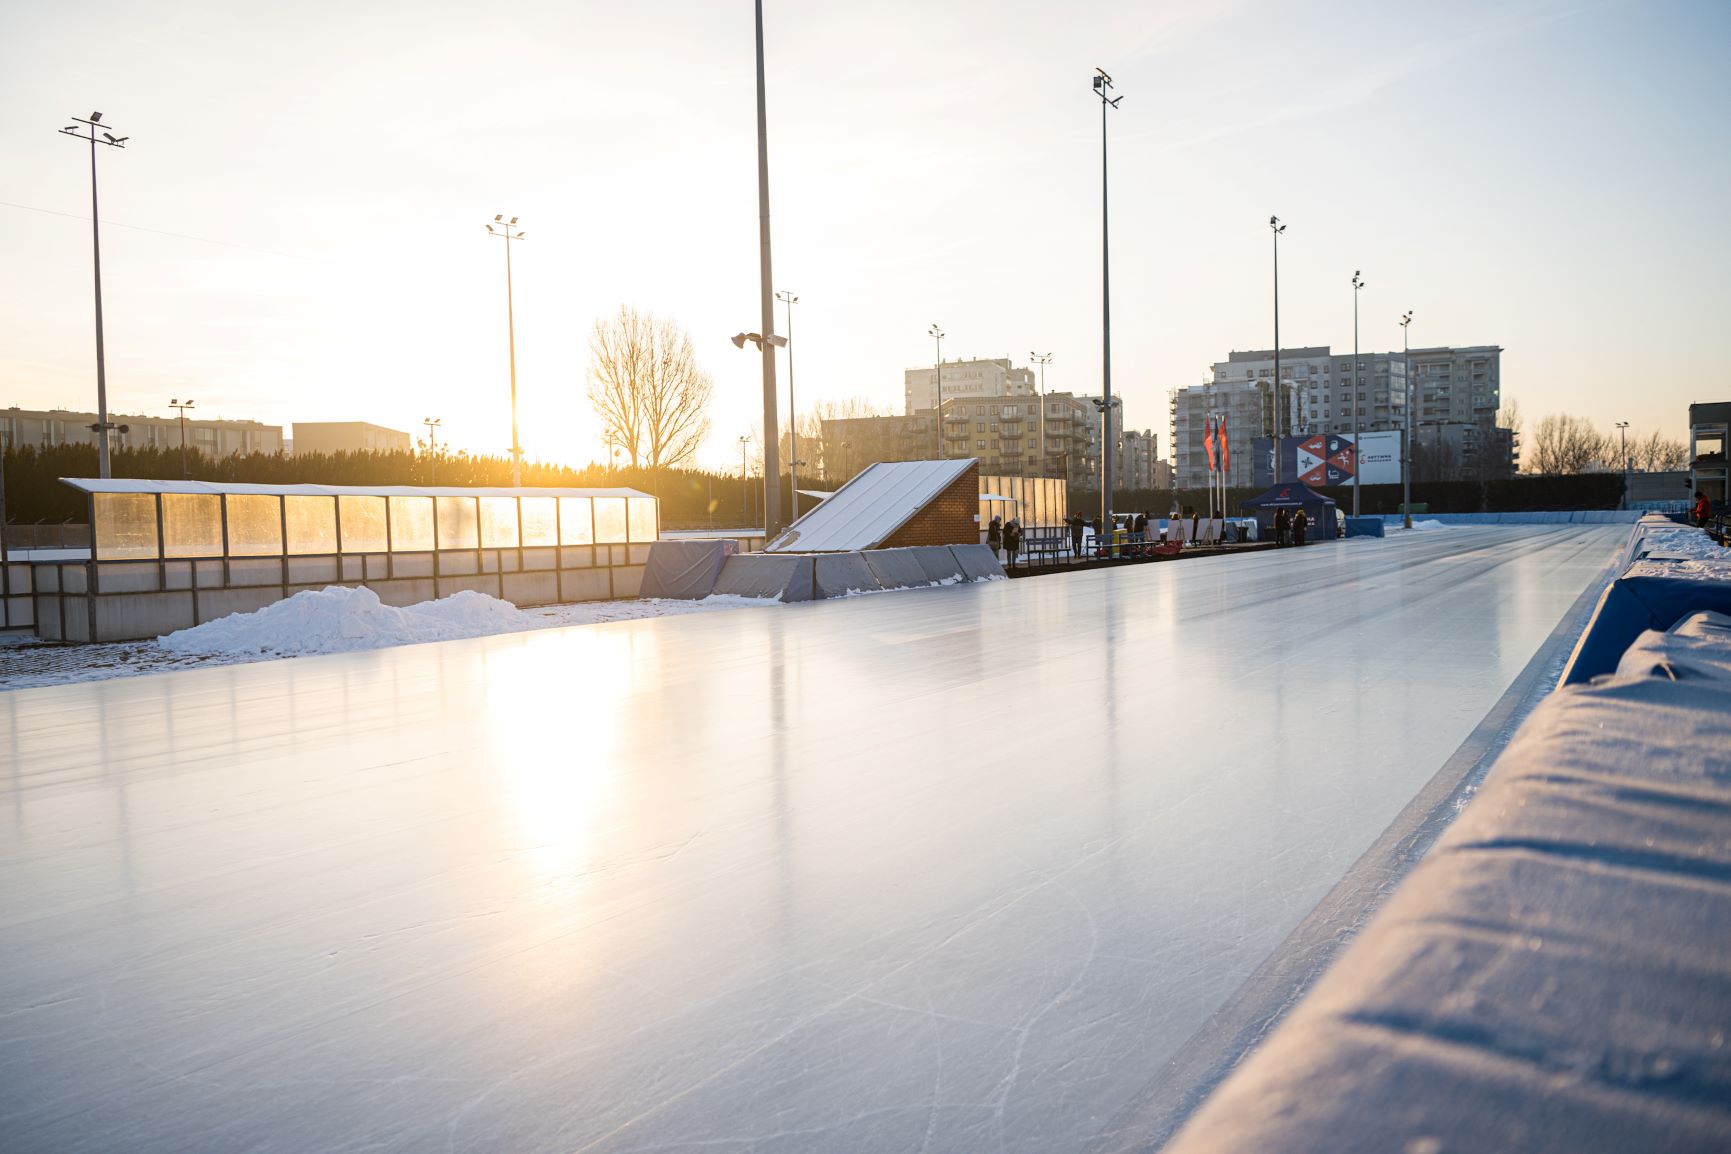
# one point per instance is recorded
(1568, 444)
(1510, 416)
(646, 386)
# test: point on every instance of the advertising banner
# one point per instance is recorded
(1330, 459)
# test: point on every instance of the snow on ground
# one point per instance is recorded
(336, 619)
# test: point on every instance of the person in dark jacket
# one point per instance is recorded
(1280, 526)
(1077, 526)
(1300, 523)
(1703, 509)
(995, 536)
(1012, 539)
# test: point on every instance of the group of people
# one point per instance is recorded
(1290, 530)
(1004, 538)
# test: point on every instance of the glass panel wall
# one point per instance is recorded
(459, 524)
(312, 524)
(191, 525)
(540, 521)
(362, 520)
(411, 524)
(610, 520)
(576, 521)
(498, 522)
(125, 526)
(641, 512)
(254, 525)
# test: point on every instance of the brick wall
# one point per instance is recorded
(947, 520)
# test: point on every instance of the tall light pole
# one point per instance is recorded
(1042, 359)
(111, 141)
(790, 300)
(432, 424)
(1623, 438)
(1406, 448)
(509, 230)
(1357, 456)
(937, 334)
(1103, 89)
(766, 281)
(1279, 411)
(176, 403)
(744, 485)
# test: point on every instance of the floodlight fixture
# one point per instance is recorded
(108, 140)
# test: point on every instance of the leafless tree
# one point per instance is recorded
(1510, 416)
(647, 388)
(1656, 453)
(1563, 443)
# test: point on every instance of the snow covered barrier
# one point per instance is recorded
(1553, 976)
(838, 574)
(340, 618)
(685, 569)
(784, 578)
(978, 563)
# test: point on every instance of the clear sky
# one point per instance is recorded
(305, 188)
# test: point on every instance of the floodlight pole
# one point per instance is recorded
(1357, 449)
(176, 403)
(1406, 455)
(432, 424)
(509, 230)
(96, 258)
(1623, 438)
(937, 334)
(792, 412)
(771, 432)
(1103, 86)
(1279, 400)
(744, 485)
(1042, 359)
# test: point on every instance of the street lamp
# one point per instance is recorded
(744, 486)
(1279, 400)
(176, 403)
(1406, 396)
(1357, 456)
(792, 412)
(432, 424)
(109, 140)
(1623, 438)
(937, 334)
(1042, 359)
(1103, 89)
(509, 230)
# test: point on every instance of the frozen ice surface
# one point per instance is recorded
(954, 870)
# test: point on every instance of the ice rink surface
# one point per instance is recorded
(950, 870)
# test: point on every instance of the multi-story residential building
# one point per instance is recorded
(213, 438)
(348, 437)
(1451, 387)
(1138, 451)
(852, 443)
(995, 377)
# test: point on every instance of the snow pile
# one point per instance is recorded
(1683, 541)
(338, 619)
(1428, 525)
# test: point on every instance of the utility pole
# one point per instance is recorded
(937, 334)
(102, 426)
(772, 525)
(509, 230)
(1042, 359)
(1357, 456)
(1102, 89)
(1279, 393)
(1623, 438)
(176, 403)
(792, 412)
(744, 485)
(1406, 448)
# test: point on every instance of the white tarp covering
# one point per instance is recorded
(866, 510)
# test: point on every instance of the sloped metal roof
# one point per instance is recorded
(145, 485)
(866, 510)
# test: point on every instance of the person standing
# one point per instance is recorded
(1300, 523)
(1077, 525)
(1012, 539)
(1703, 509)
(1280, 524)
(995, 537)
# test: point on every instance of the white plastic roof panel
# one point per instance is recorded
(144, 485)
(866, 510)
